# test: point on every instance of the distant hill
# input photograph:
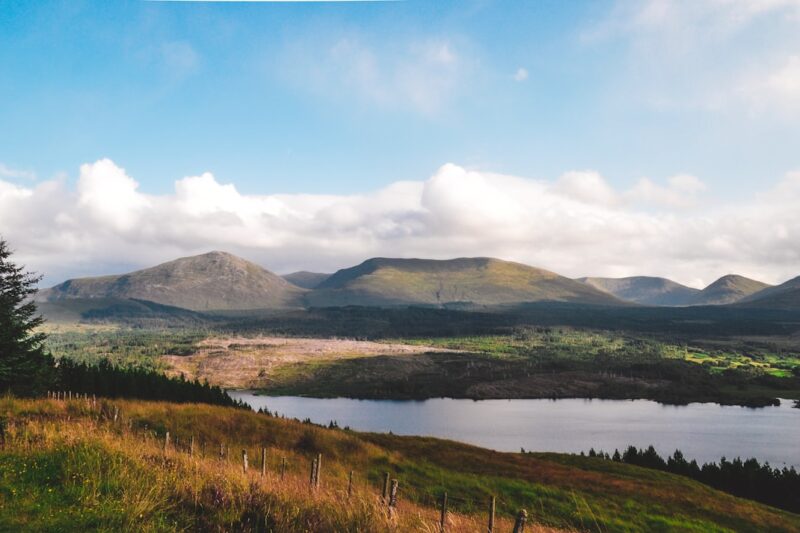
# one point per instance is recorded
(305, 279)
(644, 290)
(140, 313)
(474, 281)
(212, 281)
(783, 296)
(727, 290)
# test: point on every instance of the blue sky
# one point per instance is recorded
(347, 98)
(173, 89)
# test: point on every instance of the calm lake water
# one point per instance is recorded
(704, 432)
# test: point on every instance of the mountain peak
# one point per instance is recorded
(211, 281)
(728, 289)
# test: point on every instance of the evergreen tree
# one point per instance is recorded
(25, 367)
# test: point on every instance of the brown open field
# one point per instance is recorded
(240, 362)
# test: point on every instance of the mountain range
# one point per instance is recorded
(647, 290)
(219, 281)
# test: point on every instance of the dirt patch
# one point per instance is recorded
(239, 362)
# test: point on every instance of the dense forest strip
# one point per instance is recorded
(746, 478)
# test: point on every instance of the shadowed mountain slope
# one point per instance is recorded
(644, 290)
(783, 296)
(476, 281)
(305, 279)
(212, 281)
(727, 290)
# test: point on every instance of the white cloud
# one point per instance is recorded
(419, 75)
(680, 192)
(15, 173)
(521, 74)
(575, 225)
(731, 55)
(776, 87)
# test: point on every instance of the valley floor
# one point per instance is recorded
(532, 363)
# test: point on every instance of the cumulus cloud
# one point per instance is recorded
(681, 191)
(521, 74)
(577, 224)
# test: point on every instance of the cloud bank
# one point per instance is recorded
(576, 225)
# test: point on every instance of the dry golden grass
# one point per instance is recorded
(152, 487)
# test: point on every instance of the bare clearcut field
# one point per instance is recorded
(249, 363)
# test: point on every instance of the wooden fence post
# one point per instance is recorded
(283, 467)
(166, 441)
(492, 507)
(519, 525)
(244, 461)
(263, 462)
(313, 473)
(443, 517)
(221, 451)
(191, 446)
(385, 491)
(350, 485)
(319, 469)
(393, 494)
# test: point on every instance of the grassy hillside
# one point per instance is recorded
(68, 466)
(475, 281)
(727, 290)
(212, 281)
(644, 290)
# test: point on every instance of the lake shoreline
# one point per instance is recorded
(751, 402)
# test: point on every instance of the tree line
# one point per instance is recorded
(110, 381)
(748, 478)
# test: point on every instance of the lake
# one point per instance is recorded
(704, 432)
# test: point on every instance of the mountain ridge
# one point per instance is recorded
(783, 296)
(385, 281)
(644, 290)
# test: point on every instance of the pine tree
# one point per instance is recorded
(25, 367)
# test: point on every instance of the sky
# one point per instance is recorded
(605, 138)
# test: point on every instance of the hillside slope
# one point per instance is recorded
(212, 281)
(783, 296)
(88, 472)
(727, 290)
(305, 279)
(475, 281)
(644, 290)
